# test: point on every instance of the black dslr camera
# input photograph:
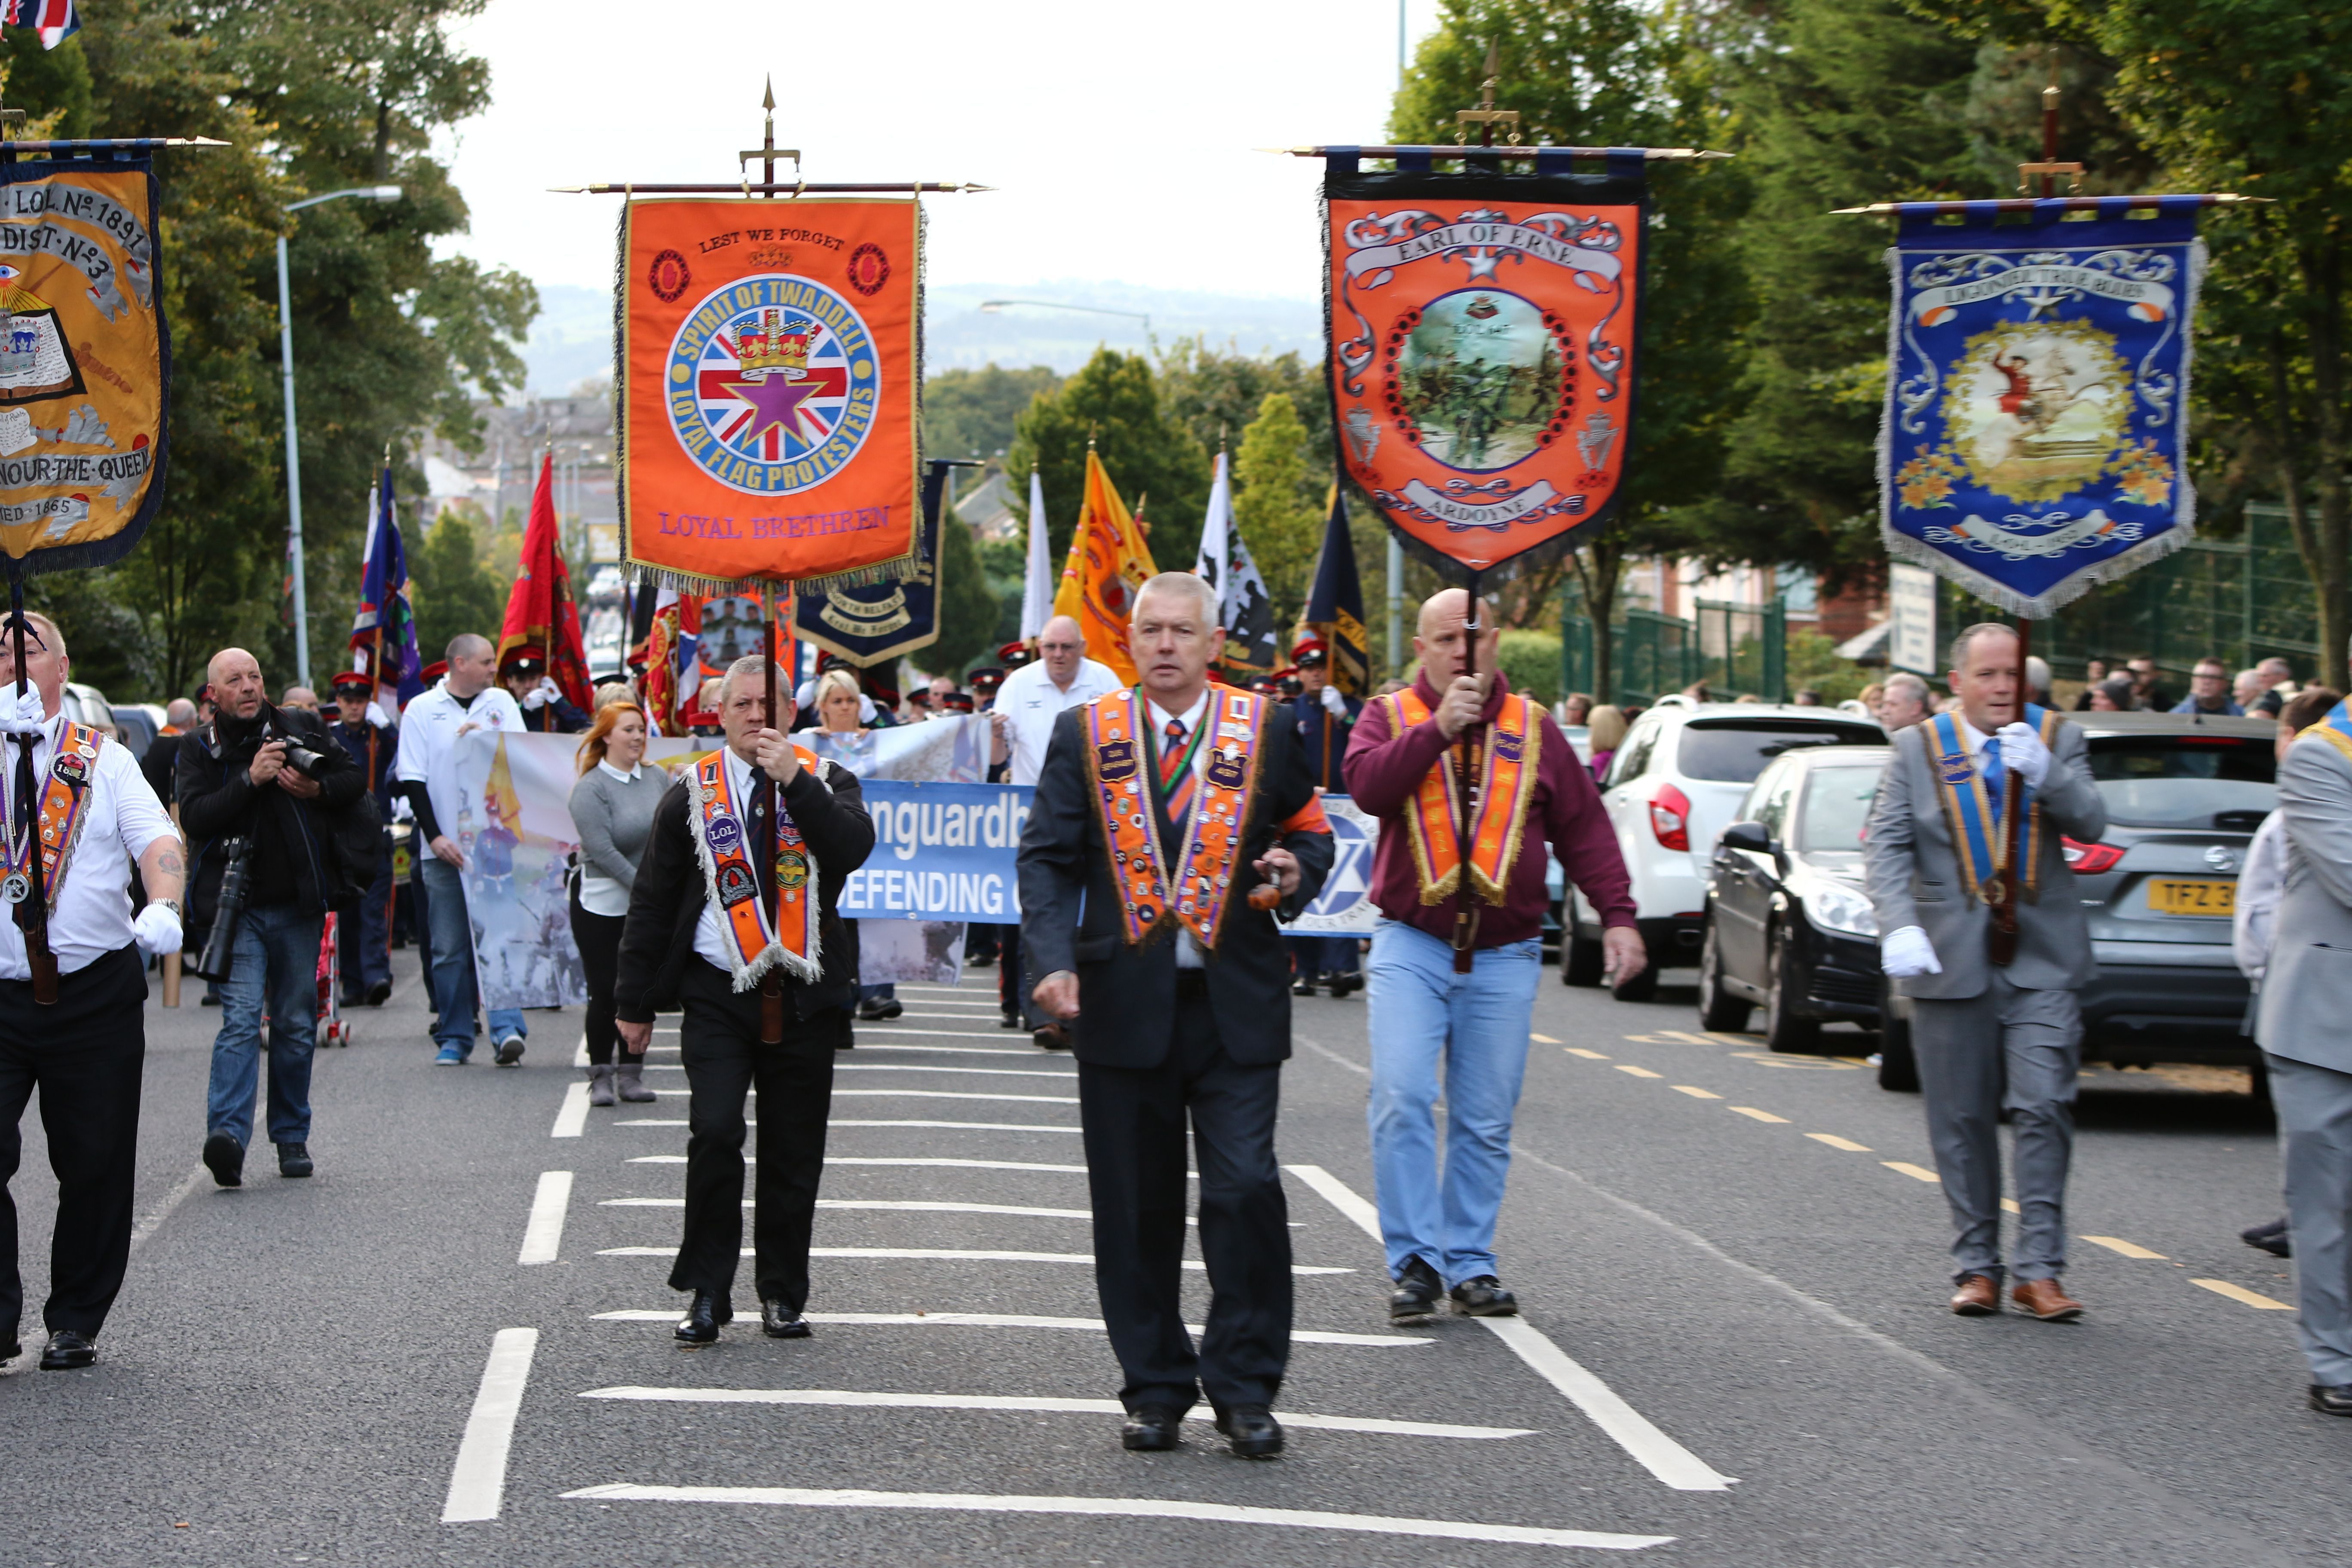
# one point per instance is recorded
(300, 755)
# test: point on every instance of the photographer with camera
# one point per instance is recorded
(257, 787)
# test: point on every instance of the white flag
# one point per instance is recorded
(1037, 582)
(1244, 608)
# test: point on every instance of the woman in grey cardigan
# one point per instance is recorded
(612, 811)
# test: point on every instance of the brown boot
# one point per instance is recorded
(2045, 1300)
(600, 1086)
(1978, 1297)
(629, 1078)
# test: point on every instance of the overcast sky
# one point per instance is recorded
(1118, 135)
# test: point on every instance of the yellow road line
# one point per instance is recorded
(2117, 1244)
(1639, 1072)
(1697, 1094)
(1834, 1142)
(2240, 1294)
(1758, 1115)
(1542, 1040)
(1916, 1173)
(1588, 1056)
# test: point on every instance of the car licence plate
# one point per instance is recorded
(2206, 896)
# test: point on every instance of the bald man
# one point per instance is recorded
(1030, 700)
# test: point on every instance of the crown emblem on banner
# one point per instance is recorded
(779, 343)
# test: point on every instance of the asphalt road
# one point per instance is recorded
(1733, 1351)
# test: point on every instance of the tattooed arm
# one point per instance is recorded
(163, 870)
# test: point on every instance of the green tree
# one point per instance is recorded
(969, 413)
(1215, 392)
(1151, 458)
(451, 590)
(968, 605)
(1279, 504)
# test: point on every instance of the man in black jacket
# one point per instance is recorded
(364, 932)
(266, 777)
(713, 923)
(1181, 813)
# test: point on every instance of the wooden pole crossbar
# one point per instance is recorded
(1524, 151)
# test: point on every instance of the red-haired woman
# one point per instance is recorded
(612, 811)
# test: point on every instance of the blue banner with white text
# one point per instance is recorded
(941, 852)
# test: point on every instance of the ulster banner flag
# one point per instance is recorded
(1482, 368)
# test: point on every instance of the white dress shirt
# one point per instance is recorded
(121, 817)
(1188, 952)
(428, 732)
(1031, 702)
(714, 939)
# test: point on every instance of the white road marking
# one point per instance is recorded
(1015, 1321)
(2129, 1248)
(544, 1235)
(478, 1482)
(580, 1053)
(843, 1121)
(941, 1254)
(920, 1066)
(2244, 1296)
(573, 1118)
(886, 1160)
(152, 1220)
(864, 1029)
(860, 1398)
(909, 1206)
(1834, 1142)
(1916, 1173)
(1031, 1052)
(898, 1093)
(1663, 1458)
(1696, 1092)
(1638, 1072)
(1129, 1507)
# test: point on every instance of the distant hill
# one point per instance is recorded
(572, 342)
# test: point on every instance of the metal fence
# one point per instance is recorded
(1737, 649)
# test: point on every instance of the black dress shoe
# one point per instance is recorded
(880, 1010)
(68, 1350)
(1153, 1429)
(1484, 1297)
(225, 1158)
(1347, 984)
(294, 1159)
(10, 1348)
(703, 1319)
(1302, 987)
(2332, 1398)
(1009, 1021)
(2271, 1238)
(379, 994)
(778, 1321)
(1251, 1431)
(1416, 1293)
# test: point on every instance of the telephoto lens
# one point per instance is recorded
(220, 943)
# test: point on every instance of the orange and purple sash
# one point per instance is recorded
(1211, 830)
(762, 939)
(65, 807)
(1506, 783)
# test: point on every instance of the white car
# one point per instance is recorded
(1672, 787)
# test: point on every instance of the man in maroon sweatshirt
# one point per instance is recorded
(1412, 753)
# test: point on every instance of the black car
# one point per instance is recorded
(1787, 923)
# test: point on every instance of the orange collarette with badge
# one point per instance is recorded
(1506, 784)
(64, 808)
(762, 939)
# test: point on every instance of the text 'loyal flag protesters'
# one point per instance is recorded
(1108, 561)
(541, 612)
(1335, 605)
(384, 633)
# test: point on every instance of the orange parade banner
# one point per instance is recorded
(768, 367)
(1108, 560)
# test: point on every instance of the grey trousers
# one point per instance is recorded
(2314, 1120)
(2007, 1048)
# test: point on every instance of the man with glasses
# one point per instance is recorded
(2209, 691)
(85, 1046)
(1032, 698)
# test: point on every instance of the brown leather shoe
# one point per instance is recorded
(2044, 1301)
(1978, 1297)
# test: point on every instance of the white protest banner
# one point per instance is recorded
(1344, 907)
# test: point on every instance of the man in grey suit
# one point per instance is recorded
(2306, 995)
(1989, 1034)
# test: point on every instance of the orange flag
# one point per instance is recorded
(1108, 561)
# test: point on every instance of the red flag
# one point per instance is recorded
(541, 612)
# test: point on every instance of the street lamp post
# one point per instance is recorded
(993, 306)
(293, 454)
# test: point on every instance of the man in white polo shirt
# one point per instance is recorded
(1031, 698)
(86, 1047)
(468, 699)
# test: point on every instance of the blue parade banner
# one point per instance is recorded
(2037, 400)
(941, 852)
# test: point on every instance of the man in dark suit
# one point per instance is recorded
(1177, 816)
(713, 921)
(1326, 720)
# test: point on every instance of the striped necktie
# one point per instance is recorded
(1176, 781)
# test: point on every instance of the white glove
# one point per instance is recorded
(22, 714)
(156, 930)
(1333, 703)
(2021, 749)
(539, 696)
(378, 717)
(1906, 953)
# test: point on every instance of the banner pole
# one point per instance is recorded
(772, 990)
(1466, 777)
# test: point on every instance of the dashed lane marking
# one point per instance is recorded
(580, 1053)
(1674, 1038)
(1834, 1142)
(942, 1254)
(882, 1160)
(2129, 1248)
(1663, 1458)
(573, 1119)
(478, 1482)
(2243, 1296)
(1638, 1072)
(152, 1220)
(1129, 1508)
(864, 1029)
(893, 1094)
(875, 1399)
(1542, 1040)
(909, 1206)
(1588, 1056)
(542, 1237)
(1916, 1173)
(845, 1121)
(1696, 1092)
(923, 1067)
(1754, 1114)
(1016, 1321)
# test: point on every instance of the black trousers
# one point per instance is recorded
(1134, 1121)
(86, 1054)
(720, 1041)
(598, 938)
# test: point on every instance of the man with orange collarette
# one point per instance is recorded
(1171, 823)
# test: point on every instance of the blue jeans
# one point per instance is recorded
(453, 990)
(1421, 1012)
(274, 960)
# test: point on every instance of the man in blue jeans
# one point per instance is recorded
(255, 788)
(468, 699)
(1457, 956)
